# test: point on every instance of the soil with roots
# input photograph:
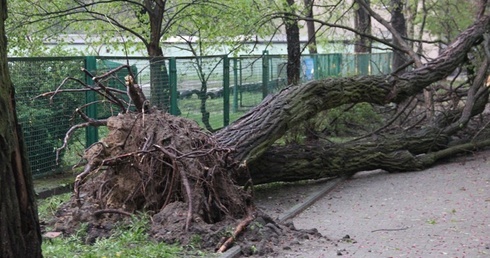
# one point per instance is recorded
(171, 169)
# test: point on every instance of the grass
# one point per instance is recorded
(190, 108)
(48, 207)
(127, 241)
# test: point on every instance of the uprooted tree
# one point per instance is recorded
(193, 181)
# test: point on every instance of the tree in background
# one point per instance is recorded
(363, 26)
(399, 24)
(207, 29)
(293, 67)
(20, 235)
(136, 23)
(310, 25)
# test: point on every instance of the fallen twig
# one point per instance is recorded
(390, 229)
(239, 229)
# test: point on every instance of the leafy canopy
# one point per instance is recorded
(136, 23)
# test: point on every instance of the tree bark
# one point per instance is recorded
(363, 25)
(159, 77)
(20, 235)
(310, 26)
(399, 24)
(411, 151)
(293, 67)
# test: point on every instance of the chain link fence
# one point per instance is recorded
(45, 120)
(211, 90)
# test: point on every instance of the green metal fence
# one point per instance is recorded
(212, 90)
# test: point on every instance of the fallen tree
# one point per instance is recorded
(187, 178)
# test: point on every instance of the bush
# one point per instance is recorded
(44, 124)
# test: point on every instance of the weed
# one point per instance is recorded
(432, 221)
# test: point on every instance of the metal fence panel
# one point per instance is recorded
(212, 90)
(201, 88)
(44, 122)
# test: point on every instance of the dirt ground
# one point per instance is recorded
(443, 211)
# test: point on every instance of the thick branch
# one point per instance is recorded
(253, 133)
(301, 162)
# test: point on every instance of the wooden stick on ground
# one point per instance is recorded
(239, 229)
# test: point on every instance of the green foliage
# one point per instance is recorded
(447, 18)
(228, 22)
(431, 221)
(28, 27)
(44, 124)
(222, 26)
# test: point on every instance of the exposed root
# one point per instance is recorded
(185, 182)
(155, 162)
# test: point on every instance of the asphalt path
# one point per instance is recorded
(443, 211)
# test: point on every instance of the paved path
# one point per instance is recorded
(440, 212)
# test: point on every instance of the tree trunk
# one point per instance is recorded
(20, 235)
(159, 77)
(294, 50)
(411, 151)
(399, 24)
(363, 26)
(159, 81)
(310, 26)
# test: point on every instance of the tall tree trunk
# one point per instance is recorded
(363, 25)
(159, 77)
(412, 12)
(399, 24)
(20, 235)
(310, 26)
(294, 50)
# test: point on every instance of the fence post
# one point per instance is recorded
(174, 108)
(91, 132)
(226, 90)
(363, 63)
(241, 81)
(235, 89)
(337, 68)
(265, 74)
(316, 71)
